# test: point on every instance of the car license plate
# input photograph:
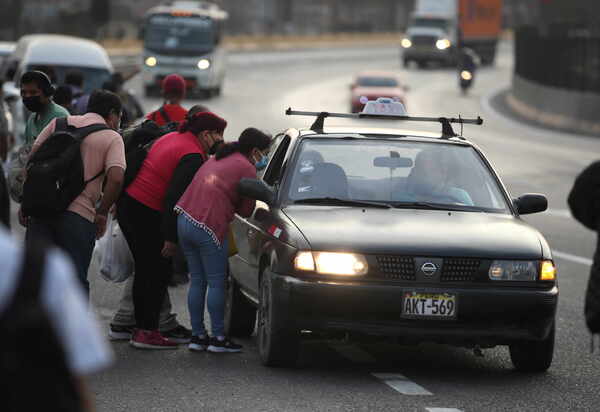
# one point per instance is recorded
(429, 305)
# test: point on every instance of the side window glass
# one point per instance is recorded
(273, 172)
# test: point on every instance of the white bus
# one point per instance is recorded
(184, 37)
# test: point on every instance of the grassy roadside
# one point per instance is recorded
(279, 42)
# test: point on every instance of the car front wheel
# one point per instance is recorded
(278, 344)
(533, 356)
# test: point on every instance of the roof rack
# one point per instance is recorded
(447, 131)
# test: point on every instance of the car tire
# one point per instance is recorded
(278, 344)
(533, 356)
(240, 314)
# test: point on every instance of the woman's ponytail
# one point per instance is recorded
(227, 149)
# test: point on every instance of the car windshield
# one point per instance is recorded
(377, 82)
(179, 35)
(93, 78)
(398, 173)
(429, 22)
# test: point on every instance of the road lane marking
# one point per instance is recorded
(401, 383)
(572, 258)
(443, 410)
(353, 353)
(566, 213)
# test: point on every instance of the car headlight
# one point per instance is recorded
(204, 64)
(151, 61)
(521, 270)
(443, 44)
(548, 271)
(406, 43)
(331, 263)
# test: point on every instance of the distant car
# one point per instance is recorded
(365, 233)
(372, 85)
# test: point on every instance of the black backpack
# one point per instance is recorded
(584, 198)
(138, 141)
(55, 172)
(32, 358)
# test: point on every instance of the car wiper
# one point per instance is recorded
(427, 205)
(342, 202)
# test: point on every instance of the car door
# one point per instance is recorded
(247, 231)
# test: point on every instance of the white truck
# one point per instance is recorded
(184, 37)
(438, 28)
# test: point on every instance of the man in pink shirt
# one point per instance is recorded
(76, 229)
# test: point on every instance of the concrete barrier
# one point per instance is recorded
(556, 108)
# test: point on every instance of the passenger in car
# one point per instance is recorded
(429, 180)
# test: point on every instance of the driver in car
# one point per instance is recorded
(429, 181)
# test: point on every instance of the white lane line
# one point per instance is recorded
(401, 384)
(572, 258)
(566, 213)
(443, 410)
(353, 353)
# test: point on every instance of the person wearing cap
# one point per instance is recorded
(173, 90)
(36, 92)
(148, 220)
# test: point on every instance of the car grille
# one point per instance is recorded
(423, 40)
(403, 268)
(396, 267)
(459, 269)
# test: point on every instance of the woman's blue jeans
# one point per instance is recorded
(208, 267)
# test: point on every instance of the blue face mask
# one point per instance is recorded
(262, 163)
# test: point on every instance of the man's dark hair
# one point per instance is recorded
(63, 96)
(74, 78)
(41, 80)
(104, 103)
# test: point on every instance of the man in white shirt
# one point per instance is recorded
(62, 298)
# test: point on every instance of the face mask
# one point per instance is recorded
(262, 163)
(33, 103)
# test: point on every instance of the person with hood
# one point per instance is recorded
(173, 90)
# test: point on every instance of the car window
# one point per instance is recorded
(273, 173)
(394, 172)
(377, 82)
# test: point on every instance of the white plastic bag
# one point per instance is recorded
(113, 254)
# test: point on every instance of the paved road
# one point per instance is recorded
(338, 376)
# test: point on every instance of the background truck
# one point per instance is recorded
(184, 37)
(437, 29)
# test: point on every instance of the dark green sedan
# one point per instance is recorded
(380, 233)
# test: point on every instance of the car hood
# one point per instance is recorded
(416, 232)
(377, 92)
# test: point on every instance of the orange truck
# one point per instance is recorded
(438, 28)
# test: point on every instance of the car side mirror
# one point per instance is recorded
(256, 189)
(531, 203)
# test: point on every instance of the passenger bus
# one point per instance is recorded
(184, 37)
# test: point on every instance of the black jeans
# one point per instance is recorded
(141, 226)
(70, 232)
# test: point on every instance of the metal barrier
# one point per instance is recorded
(566, 59)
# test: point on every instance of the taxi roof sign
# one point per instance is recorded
(386, 109)
(384, 106)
